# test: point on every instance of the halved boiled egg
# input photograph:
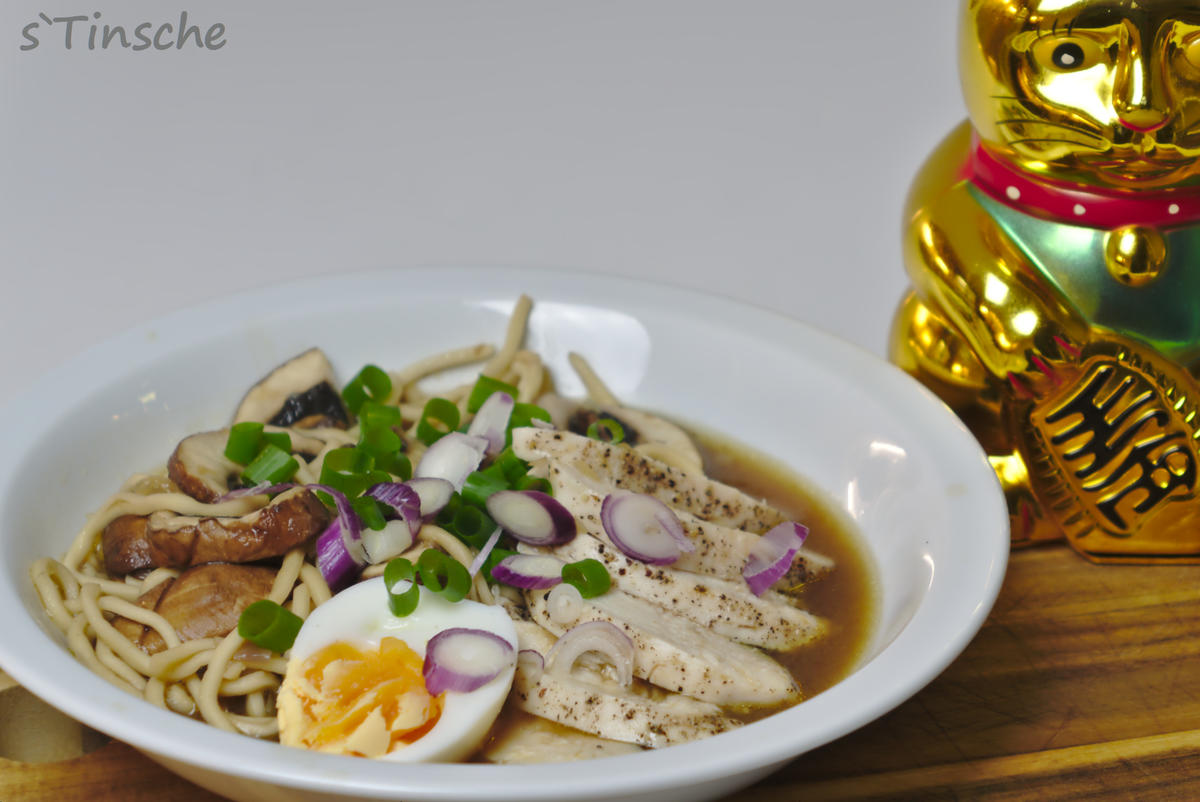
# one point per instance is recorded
(355, 683)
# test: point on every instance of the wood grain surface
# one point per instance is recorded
(1083, 684)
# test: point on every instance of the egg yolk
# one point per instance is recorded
(359, 701)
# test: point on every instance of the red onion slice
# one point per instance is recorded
(643, 527)
(529, 571)
(532, 516)
(347, 528)
(434, 494)
(531, 663)
(338, 567)
(452, 458)
(464, 660)
(491, 421)
(265, 489)
(401, 498)
(602, 637)
(393, 540)
(772, 555)
(482, 556)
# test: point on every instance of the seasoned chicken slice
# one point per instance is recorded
(727, 607)
(720, 551)
(625, 468)
(677, 654)
(587, 700)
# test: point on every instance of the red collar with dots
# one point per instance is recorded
(1065, 203)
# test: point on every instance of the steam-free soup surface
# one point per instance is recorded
(847, 598)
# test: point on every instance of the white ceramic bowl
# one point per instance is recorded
(885, 450)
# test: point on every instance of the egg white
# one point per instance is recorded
(360, 615)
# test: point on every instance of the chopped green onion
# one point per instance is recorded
(269, 625)
(472, 526)
(370, 384)
(281, 440)
(372, 414)
(494, 556)
(606, 430)
(481, 484)
(368, 510)
(244, 443)
(346, 469)
(443, 575)
(523, 414)
(589, 577)
(378, 440)
(510, 465)
(395, 463)
(401, 570)
(439, 417)
(272, 465)
(534, 483)
(484, 387)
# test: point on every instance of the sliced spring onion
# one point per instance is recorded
(378, 440)
(373, 415)
(401, 601)
(269, 625)
(534, 483)
(471, 525)
(244, 443)
(532, 517)
(524, 415)
(483, 389)
(439, 418)
(508, 464)
(480, 485)
(772, 554)
(370, 384)
(346, 470)
(282, 440)
(396, 464)
(460, 659)
(272, 465)
(606, 430)
(368, 511)
(588, 576)
(444, 575)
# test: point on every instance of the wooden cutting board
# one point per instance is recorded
(1084, 683)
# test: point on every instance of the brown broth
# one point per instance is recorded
(847, 597)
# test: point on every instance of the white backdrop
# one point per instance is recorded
(752, 148)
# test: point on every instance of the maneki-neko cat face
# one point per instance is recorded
(1101, 92)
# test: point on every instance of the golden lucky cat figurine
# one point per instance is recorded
(1053, 244)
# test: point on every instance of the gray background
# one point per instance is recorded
(758, 150)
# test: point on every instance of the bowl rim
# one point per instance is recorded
(982, 561)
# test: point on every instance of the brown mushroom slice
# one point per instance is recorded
(301, 392)
(167, 540)
(651, 433)
(199, 467)
(203, 602)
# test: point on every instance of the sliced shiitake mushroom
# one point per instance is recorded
(301, 392)
(203, 602)
(166, 540)
(199, 467)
